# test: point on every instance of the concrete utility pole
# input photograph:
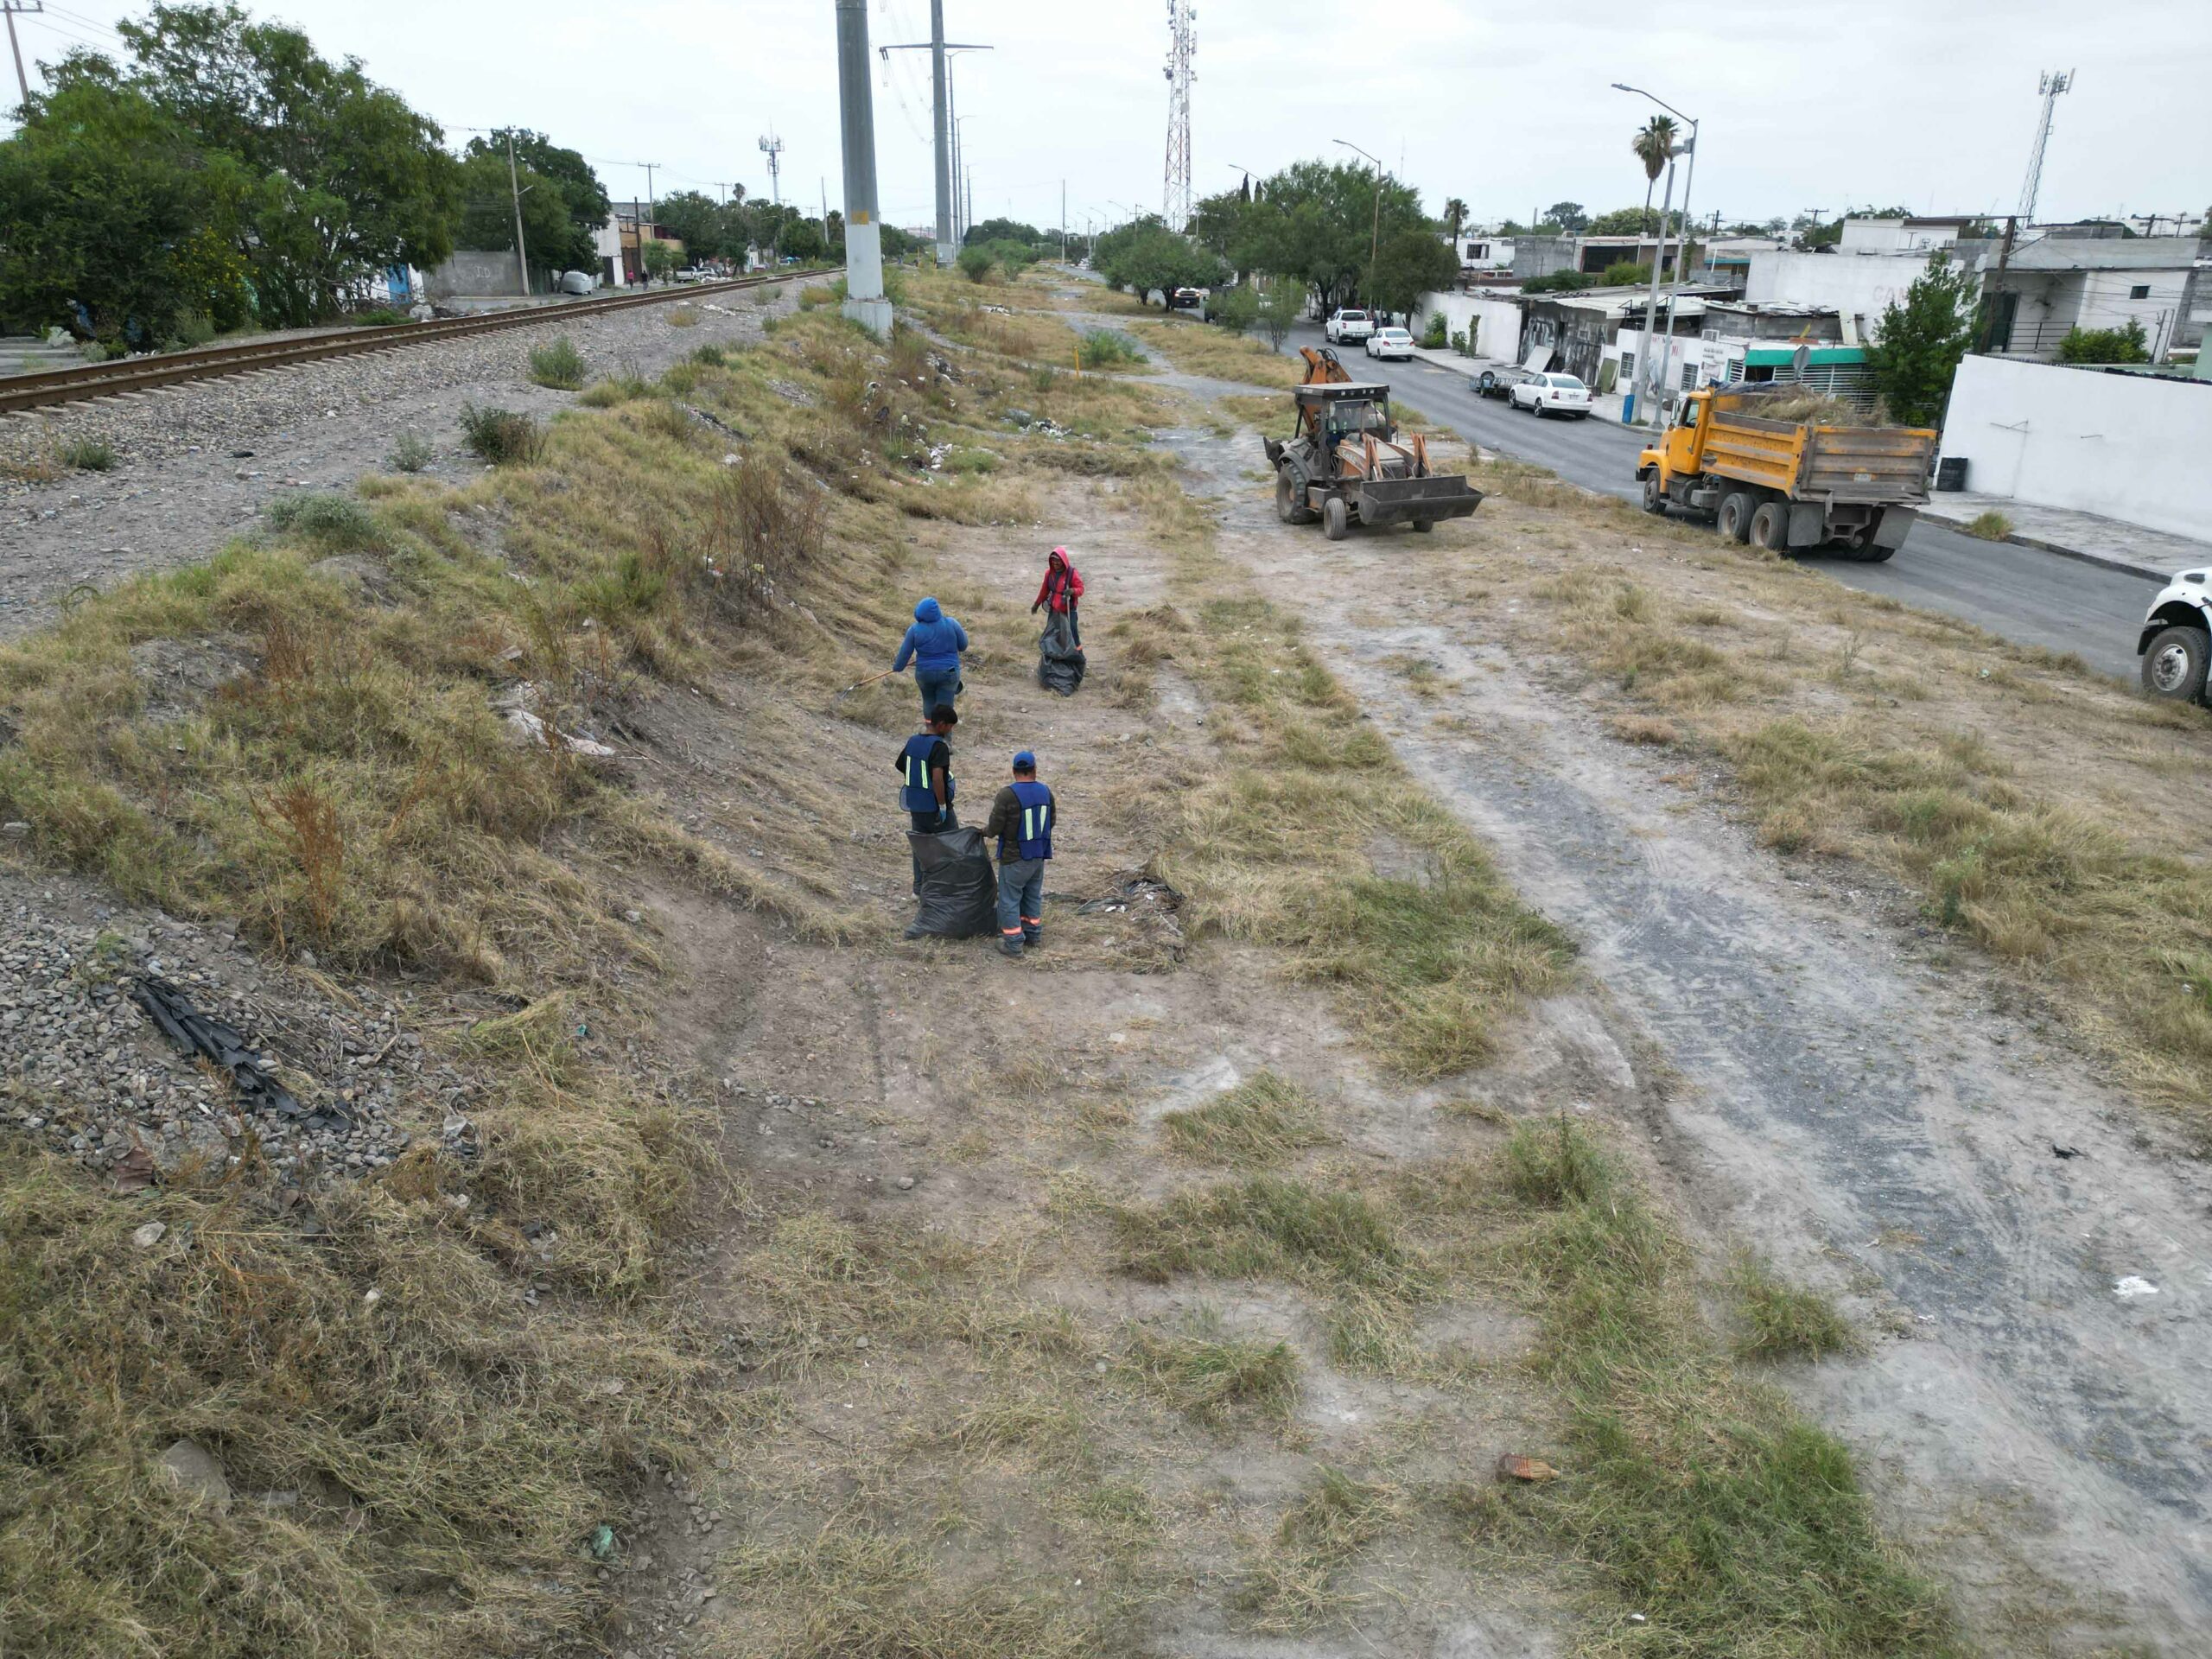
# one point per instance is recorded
(864, 299)
(514, 188)
(1650, 369)
(11, 7)
(947, 169)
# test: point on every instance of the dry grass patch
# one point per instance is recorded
(1202, 348)
(1298, 1580)
(1206, 1373)
(1265, 1119)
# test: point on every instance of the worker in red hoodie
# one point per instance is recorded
(1063, 587)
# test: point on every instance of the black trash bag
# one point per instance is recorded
(1059, 660)
(956, 890)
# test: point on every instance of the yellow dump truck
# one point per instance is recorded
(1789, 485)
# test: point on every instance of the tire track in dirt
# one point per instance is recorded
(1841, 1102)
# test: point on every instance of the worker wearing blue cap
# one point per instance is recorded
(1021, 824)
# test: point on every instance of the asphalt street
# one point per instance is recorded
(2022, 593)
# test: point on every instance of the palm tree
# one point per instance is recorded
(1654, 144)
(1455, 216)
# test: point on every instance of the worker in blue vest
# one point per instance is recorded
(1021, 824)
(926, 772)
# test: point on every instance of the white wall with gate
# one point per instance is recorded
(2128, 446)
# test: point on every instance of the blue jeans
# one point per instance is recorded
(1021, 899)
(937, 687)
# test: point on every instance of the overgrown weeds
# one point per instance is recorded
(1989, 526)
(410, 453)
(502, 437)
(1205, 1372)
(558, 364)
(338, 523)
(1785, 1321)
(1265, 1119)
(1108, 348)
(87, 454)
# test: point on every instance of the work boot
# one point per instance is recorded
(1010, 947)
(1033, 941)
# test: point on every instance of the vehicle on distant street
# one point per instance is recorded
(1769, 474)
(2177, 639)
(695, 274)
(1551, 394)
(1188, 299)
(1499, 382)
(574, 282)
(1390, 343)
(1345, 325)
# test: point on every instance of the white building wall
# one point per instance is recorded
(2108, 301)
(2128, 446)
(1497, 321)
(1859, 286)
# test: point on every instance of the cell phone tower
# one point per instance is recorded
(1182, 45)
(2050, 87)
(772, 148)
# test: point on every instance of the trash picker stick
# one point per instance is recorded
(871, 680)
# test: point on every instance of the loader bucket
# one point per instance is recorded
(1417, 500)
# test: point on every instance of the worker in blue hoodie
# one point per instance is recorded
(934, 645)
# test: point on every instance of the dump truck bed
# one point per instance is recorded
(1884, 464)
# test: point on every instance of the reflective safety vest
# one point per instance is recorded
(1036, 831)
(915, 793)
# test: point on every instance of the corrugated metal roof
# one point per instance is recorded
(2104, 253)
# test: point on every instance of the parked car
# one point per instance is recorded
(1552, 394)
(1390, 343)
(2176, 639)
(1344, 325)
(1189, 299)
(574, 282)
(695, 274)
(1499, 382)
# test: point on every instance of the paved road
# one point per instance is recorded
(2021, 593)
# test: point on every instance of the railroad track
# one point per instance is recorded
(28, 391)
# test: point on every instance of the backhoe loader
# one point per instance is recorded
(1345, 464)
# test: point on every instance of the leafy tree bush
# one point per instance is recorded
(1236, 308)
(1562, 282)
(564, 203)
(1626, 273)
(558, 364)
(1921, 342)
(501, 435)
(660, 260)
(976, 263)
(1437, 333)
(1279, 310)
(1411, 263)
(2128, 345)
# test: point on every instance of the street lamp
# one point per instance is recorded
(1374, 237)
(1651, 311)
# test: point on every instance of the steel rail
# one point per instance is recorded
(52, 386)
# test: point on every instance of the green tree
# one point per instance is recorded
(583, 198)
(1006, 230)
(1236, 308)
(976, 263)
(1410, 263)
(487, 211)
(106, 202)
(1279, 310)
(342, 177)
(1570, 216)
(1654, 145)
(2128, 345)
(698, 223)
(1318, 222)
(802, 238)
(1455, 218)
(660, 260)
(1630, 221)
(1146, 258)
(1920, 343)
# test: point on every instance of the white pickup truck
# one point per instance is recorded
(1345, 326)
(2176, 639)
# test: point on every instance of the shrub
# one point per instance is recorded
(1437, 333)
(975, 264)
(558, 364)
(191, 329)
(615, 389)
(1627, 274)
(1992, 526)
(815, 295)
(1235, 308)
(88, 454)
(410, 453)
(332, 520)
(501, 436)
(2128, 345)
(712, 357)
(1107, 348)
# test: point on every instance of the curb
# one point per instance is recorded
(2104, 561)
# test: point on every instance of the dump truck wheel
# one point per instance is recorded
(2174, 665)
(1422, 526)
(1770, 526)
(1336, 518)
(1734, 521)
(1867, 553)
(1655, 495)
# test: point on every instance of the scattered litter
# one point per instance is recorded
(2132, 1286)
(2065, 1152)
(601, 1542)
(134, 1171)
(707, 419)
(15, 829)
(150, 1235)
(195, 1470)
(1136, 891)
(1511, 1467)
(196, 1033)
(906, 1183)
(371, 1298)
(524, 729)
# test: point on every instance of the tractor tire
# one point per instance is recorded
(1770, 526)
(2173, 668)
(1336, 518)
(1733, 521)
(1290, 505)
(1422, 526)
(1655, 495)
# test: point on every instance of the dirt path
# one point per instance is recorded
(1847, 1104)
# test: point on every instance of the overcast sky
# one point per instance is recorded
(1928, 102)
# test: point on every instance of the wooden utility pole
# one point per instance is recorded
(514, 187)
(11, 7)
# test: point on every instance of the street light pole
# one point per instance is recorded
(1658, 262)
(1375, 236)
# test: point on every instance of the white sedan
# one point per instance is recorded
(1552, 394)
(1390, 342)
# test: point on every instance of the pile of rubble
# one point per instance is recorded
(327, 1092)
